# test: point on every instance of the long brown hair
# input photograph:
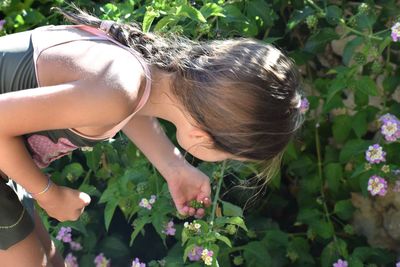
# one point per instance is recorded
(244, 93)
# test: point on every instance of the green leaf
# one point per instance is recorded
(256, 255)
(190, 12)
(223, 239)
(231, 210)
(139, 225)
(221, 221)
(329, 254)
(341, 128)
(212, 9)
(72, 171)
(333, 14)
(164, 22)
(351, 149)
(308, 215)
(336, 86)
(350, 48)
(299, 16)
(344, 209)
(333, 173)
(367, 85)
(360, 98)
(316, 43)
(323, 229)
(276, 239)
(149, 17)
(360, 124)
(109, 211)
(114, 246)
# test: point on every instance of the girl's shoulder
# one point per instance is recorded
(67, 53)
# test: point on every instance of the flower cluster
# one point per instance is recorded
(206, 256)
(396, 32)
(390, 127)
(304, 105)
(377, 185)
(147, 203)
(169, 228)
(340, 263)
(64, 235)
(137, 263)
(193, 227)
(71, 261)
(375, 154)
(195, 254)
(101, 261)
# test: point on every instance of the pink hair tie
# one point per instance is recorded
(105, 25)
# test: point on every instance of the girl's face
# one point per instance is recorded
(198, 143)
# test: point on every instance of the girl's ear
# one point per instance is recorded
(200, 136)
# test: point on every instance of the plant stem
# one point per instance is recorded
(325, 207)
(370, 36)
(216, 197)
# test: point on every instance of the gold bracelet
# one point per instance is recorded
(44, 190)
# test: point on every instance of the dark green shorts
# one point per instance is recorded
(16, 222)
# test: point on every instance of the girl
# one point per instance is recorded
(65, 87)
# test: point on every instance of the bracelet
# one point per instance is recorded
(49, 183)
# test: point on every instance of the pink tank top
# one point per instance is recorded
(62, 37)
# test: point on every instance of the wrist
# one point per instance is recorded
(171, 169)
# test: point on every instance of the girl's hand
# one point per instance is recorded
(63, 203)
(186, 183)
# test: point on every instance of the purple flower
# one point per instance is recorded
(390, 127)
(152, 199)
(75, 246)
(340, 263)
(144, 203)
(136, 263)
(101, 261)
(396, 32)
(2, 22)
(398, 264)
(195, 254)
(71, 261)
(64, 234)
(377, 185)
(169, 228)
(304, 105)
(375, 154)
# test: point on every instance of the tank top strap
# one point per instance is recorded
(97, 34)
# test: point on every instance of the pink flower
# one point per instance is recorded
(396, 32)
(169, 228)
(71, 261)
(340, 263)
(375, 154)
(137, 263)
(101, 261)
(75, 246)
(64, 234)
(377, 185)
(195, 254)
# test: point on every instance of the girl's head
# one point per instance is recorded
(245, 94)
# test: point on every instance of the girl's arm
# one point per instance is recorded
(69, 105)
(146, 133)
(185, 182)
